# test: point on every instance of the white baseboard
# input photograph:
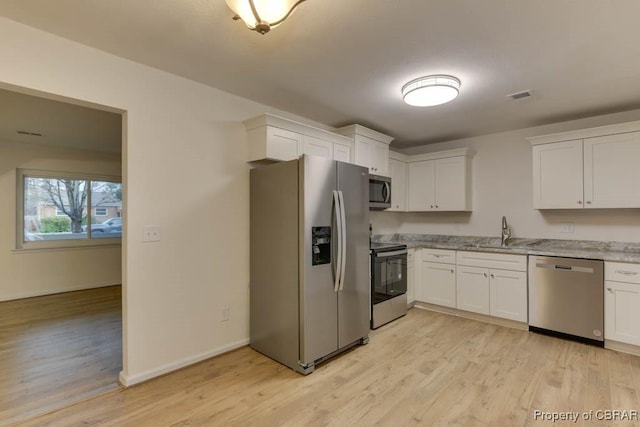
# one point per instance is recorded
(60, 290)
(473, 316)
(129, 380)
(622, 347)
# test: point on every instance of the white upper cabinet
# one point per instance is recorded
(317, 147)
(272, 143)
(273, 138)
(342, 153)
(398, 173)
(589, 168)
(440, 181)
(371, 148)
(557, 175)
(422, 189)
(612, 171)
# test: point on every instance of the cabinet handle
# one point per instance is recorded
(610, 290)
(579, 202)
(485, 274)
(588, 202)
(627, 273)
(451, 271)
(431, 206)
(493, 277)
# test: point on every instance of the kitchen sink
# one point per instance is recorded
(482, 246)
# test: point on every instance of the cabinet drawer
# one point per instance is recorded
(622, 272)
(492, 260)
(439, 255)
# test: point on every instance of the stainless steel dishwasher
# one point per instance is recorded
(566, 298)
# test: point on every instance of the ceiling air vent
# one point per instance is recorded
(24, 132)
(520, 95)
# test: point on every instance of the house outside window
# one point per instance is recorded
(55, 210)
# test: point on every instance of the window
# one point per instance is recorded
(55, 206)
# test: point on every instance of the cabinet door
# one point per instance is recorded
(411, 276)
(421, 186)
(622, 312)
(398, 173)
(379, 157)
(342, 153)
(362, 153)
(612, 171)
(509, 294)
(438, 284)
(451, 184)
(472, 284)
(317, 147)
(283, 144)
(557, 175)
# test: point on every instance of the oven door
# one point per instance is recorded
(379, 192)
(389, 275)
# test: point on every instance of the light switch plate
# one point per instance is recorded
(151, 233)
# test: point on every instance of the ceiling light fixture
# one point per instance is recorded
(430, 90)
(262, 15)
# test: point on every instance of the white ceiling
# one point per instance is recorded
(58, 123)
(340, 62)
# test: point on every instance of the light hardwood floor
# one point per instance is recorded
(424, 369)
(58, 349)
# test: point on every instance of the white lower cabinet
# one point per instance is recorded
(499, 293)
(622, 302)
(484, 286)
(438, 281)
(472, 285)
(508, 294)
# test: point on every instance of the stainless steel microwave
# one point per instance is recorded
(379, 192)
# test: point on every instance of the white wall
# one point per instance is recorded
(31, 273)
(502, 185)
(184, 170)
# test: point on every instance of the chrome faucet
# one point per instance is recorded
(506, 231)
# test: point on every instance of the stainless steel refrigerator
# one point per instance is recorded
(309, 284)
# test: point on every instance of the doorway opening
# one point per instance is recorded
(61, 258)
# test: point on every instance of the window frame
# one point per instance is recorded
(22, 244)
(95, 210)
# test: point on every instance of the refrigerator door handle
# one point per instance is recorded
(344, 240)
(337, 210)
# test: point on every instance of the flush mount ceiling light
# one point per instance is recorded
(430, 90)
(262, 15)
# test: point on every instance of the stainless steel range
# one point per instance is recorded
(388, 282)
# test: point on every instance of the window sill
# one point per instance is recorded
(28, 250)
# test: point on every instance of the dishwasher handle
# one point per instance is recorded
(562, 267)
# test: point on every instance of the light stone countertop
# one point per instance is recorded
(591, 249)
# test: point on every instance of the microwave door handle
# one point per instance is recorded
(386, 187)
(338, 265)
(343, 220)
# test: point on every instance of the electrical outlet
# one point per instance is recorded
(151, 233)
(224, 313)
(567, 227)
